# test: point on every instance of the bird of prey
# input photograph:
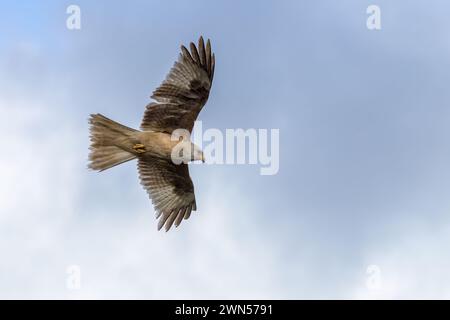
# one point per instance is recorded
(178, 101)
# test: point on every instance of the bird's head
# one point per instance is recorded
(197, 154)
(186, 151)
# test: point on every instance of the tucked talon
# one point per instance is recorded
(139, 148)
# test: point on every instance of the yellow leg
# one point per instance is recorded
(139, 148)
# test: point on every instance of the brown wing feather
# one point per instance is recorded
(184, 92)
(170, 188)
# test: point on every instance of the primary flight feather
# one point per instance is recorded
(179, 100)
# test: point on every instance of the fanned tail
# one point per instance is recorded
(106, 135)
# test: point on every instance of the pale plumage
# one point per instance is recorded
(179, 99)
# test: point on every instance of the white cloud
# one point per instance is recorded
(121, 255)
(43, 232)
(413, 265)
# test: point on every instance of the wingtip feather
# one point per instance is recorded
(194, 53)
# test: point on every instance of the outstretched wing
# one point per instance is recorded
(170, 188)
(183, 93)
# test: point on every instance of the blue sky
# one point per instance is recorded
(364, 153)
